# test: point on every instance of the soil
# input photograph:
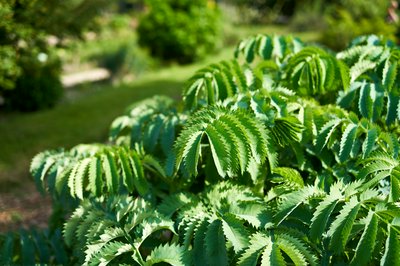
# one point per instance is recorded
(25, 209)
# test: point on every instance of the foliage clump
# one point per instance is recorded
(347, 19)
(180, 30)
(286, 154)
(29, 68)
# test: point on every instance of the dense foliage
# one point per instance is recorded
(287, 154)
(26, 54)
(347, 19)
(180, 30)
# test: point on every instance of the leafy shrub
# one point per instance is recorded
(26, 83)
(179, 30)
(349, 19)
(287, 154)
(39, 84)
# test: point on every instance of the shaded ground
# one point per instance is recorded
(23, 209)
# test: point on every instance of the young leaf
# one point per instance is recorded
(171, 254)
(392, 248)
(347, 141)
(366, 244)
(322, 214)
(215, 245)
(340, 228)
(235, 232)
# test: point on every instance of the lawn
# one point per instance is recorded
(86, 112)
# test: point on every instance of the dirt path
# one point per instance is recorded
(91, 75)
(24, 209)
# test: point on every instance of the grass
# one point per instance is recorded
(87, 112)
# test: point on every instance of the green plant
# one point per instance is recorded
(265, 163)
(179, 30)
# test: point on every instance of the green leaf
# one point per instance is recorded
(341, 227)
(173, 203)
(80, 176)
(392, 107)
(153, 164)
(392, 248)
(251, 255)
(238, 131)
(292, 200)
(296, 250)
(394, 195)
(219, 150)
(192, 152)
(235, 232)
(169, 253)
(189, 227)
(199, 248)
(7, 248)
(325, 133)
(369, 142)
(322, 213)
(366, 244)
(272, 256)
(27, 249)
(62, 178)
(347, 141)
(291, 251)
(168, 135)
(360, 68)
(111, 173)
(127, 172)
(95, 176)
(365, 104)
(258, 136)
(289, 175)
(215, 245)
(71, 179)
(389, 74)
(139, 179)
(152, 132)
(109, 252)
(255, 213)
(249, 50)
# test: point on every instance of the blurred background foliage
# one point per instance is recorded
(181, 30)
(30, 68)
(42, 39)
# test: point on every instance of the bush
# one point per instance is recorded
(287, 154)
(180, 30)
(24, 29)
(39, 84)
(349, 19)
